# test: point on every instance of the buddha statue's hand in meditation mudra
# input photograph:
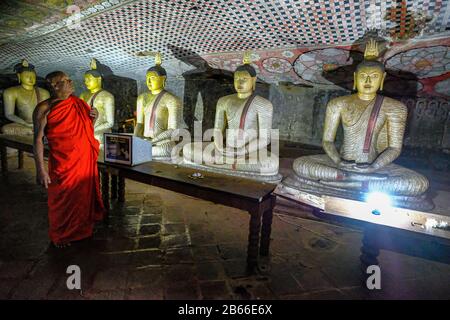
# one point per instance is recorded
(99, 99)
(20, 101)
(159, 113)
(373, 134)
(242, 134)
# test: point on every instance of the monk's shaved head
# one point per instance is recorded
(55, 75)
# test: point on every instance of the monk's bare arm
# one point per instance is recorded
(332, 119)
(396, 122)
(39, 123)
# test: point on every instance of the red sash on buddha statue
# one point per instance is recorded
(74, 199)
(92, 99)
(155, 106)
(242, 121)
(372, 121)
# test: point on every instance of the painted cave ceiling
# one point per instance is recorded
(294, 41)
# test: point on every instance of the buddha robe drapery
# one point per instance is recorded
(74, 199)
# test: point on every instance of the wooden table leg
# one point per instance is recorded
(20, 159)
(4, 158)
(266, 228)
(369, 250)
(114, 185)
(253, 239)
(121, 189)
(105, 189)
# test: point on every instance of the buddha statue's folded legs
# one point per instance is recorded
(392, 179)
(205, 156)
(17, 129)
(162, 150)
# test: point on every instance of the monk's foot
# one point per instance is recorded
(62, 245)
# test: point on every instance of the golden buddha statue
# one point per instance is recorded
(99, 99)
(245, 120)
(159, 113)
(373, 135)
(19, 101)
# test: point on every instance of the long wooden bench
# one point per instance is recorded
(252, 196)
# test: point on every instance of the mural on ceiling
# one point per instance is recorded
(294, 41)
(25, 19)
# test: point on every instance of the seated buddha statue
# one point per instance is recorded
(242, 130)
(159, 113)
(99, 99)
(373, 128)
(19, 101)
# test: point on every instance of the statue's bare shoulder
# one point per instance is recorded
(394, 107)
(171, 100)
(338, 103)
(261, 102)
(11, 91)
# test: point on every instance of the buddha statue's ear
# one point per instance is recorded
(18, 78)
(354, 81)
(164, 81)
(253, 83)
(382, 81)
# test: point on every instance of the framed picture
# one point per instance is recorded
(118, 148)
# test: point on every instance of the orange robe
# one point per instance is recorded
(74, 198)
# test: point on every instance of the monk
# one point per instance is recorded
(74, 199)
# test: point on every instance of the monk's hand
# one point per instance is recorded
(43, 178)
(93, 114)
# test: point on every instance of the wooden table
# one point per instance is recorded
(252, 196)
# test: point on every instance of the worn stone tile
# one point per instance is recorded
(148, 242)
(173, 228)
(149, 229)
(15, 269)
(146, 258)
(185, 290)
(210, 271)
(344, 275)
(311, 279)
(110, 279)
(149, 293)
(175, 241)
(215, 290)
(105, 295)
(146, 277)
(179, 273)
(205, 253)
(233, 251)
(178, 255)
(6, 287)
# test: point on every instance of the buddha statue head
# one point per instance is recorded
(370, 73)
(25, 74)
(156, 76)
(93, 78)
(245, 76)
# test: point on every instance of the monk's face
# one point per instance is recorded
(63, 85)
(28, 78)
(244, 82)
(155, 81)
(369, 79)
(92, 82)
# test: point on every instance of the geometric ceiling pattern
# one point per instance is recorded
(117, 32)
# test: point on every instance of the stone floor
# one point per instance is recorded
(163, 245)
